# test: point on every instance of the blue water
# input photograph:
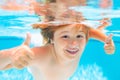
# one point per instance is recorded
(94, 64)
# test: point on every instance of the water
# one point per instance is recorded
(94, 64)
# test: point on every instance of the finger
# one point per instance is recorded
(30, 56)
(109, 38)
(24, 62)
(28, 39)
(109, 49)
(18, 65)
(27, 58)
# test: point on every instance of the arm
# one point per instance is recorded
(4, 58)
(109, 44)
(97, 34)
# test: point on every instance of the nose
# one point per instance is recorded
(73, 43)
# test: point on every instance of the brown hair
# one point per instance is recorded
(50, 1)
(48, 32)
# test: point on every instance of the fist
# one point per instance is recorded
(109, 45)
(22, 55)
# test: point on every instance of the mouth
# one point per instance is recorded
(72, 51)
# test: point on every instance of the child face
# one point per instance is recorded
(69, 42)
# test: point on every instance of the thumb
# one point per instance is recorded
(28, 39)
(109, 38)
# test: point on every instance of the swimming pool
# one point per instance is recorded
(94, 64)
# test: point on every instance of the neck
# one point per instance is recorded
(66, 61)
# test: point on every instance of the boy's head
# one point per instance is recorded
(69, 40)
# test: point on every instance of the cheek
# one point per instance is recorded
(59, 46)
(82, 43)
(60, 43)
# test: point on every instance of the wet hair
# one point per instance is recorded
(48, 33)
(50, 1)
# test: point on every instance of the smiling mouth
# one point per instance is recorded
(72, 51)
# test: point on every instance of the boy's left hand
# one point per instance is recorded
(109, 45)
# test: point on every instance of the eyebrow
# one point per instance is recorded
(82, 31)
(68, 32)
(64, 32)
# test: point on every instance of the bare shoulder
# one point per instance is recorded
(41, 53)
(40, 50)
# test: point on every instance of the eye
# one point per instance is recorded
(65, 36)
(80, 36)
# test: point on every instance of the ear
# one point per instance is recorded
(52, 41)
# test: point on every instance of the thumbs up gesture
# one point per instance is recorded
(109, 45)
(22, 55)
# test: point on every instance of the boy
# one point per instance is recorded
(59, 58)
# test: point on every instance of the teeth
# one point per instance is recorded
(72, 51)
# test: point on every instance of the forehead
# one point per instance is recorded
(72, 28)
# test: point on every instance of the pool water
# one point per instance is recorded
(94, 64)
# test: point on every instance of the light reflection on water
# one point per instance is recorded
(14, 74)
(90, 72)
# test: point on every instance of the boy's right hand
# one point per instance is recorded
(22, 55)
